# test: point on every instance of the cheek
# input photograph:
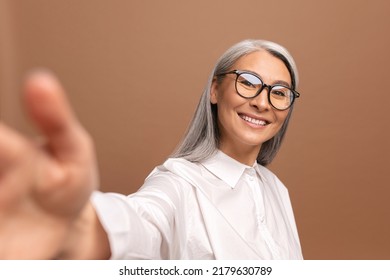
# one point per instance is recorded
(227, 110)
(280, 117)
(225, 94)
(229, 100)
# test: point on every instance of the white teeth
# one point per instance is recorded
(254, 121)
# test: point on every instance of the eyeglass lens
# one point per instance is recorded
(249, 85)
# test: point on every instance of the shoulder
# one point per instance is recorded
(275, 186)
(164, 187)
(172, 172)
(266, 172)
(270, 177)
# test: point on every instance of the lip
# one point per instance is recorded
(253, 120)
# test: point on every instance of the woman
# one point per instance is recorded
(213, 199)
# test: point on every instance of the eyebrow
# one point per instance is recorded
(280, 82)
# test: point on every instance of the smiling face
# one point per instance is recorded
(245, 124)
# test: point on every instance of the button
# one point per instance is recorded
(261, 219)
(251, 174)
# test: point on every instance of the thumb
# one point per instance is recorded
(47, 105)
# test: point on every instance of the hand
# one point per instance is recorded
(43, 186)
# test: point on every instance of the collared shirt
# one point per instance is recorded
(216, 209)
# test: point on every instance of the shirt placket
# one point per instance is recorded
(261, 223)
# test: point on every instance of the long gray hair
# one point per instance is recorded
(202, 137)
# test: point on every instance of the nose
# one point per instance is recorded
(260, 102)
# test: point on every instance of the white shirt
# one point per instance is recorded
(216, 209)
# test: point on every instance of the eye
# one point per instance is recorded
(280, 92)
(249, 81)
(246, 83)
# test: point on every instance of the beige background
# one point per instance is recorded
(135, 70)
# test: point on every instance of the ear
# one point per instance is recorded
(214, 92)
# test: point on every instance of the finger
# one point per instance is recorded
(20, 160)
(13, 147)
(49, 108)
(15, 152)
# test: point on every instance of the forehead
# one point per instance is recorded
(267, 66)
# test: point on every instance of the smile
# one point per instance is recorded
(253, 120)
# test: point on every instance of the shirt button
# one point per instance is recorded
(260, 221)
(251, 174)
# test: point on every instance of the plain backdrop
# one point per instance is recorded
(134, 72)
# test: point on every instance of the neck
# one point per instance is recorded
(245, 155)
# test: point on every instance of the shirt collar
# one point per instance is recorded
(226, 168)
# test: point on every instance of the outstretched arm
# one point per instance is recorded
(45, 187)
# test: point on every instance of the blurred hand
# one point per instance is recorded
(45, 185)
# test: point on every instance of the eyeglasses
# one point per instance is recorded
(249, 85)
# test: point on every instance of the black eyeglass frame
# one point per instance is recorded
(263, 85)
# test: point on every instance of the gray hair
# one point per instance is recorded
(202, 137)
